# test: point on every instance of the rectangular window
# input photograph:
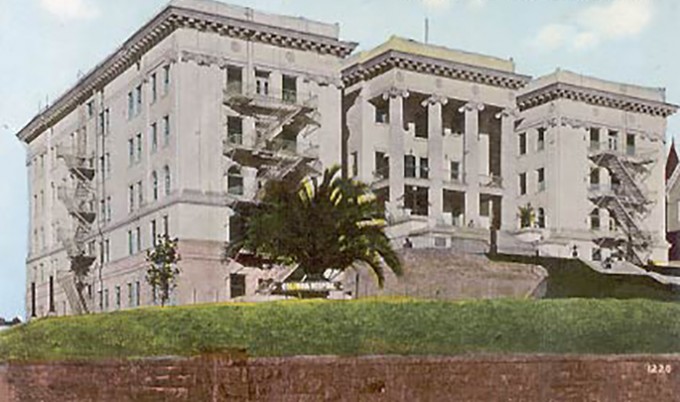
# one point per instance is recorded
(382, 111)
(262, 82)
(107, 251)
(594, 178)
(138, 94)
(237, 285)
(107, 165)
(154, 91)
(138, 293)
(416, 199)
(455, 170)
(101, 125)
(106, 299)
(166, 226)
(630, 144)
(131, 151)
(234, 80)
(131, 105)
(138, 238)
(235, 130)
(139, 147)
(540, 173)
(131, 243)
(595, 220)
(484, 206)
(289, 94)
(90, 109)
(140, 195)
(522, 183)
(166, 130)
(117, 297)
(108, 209)
(382, 166)
(522, 143)
(424, 168)
(613, 140)
(130, 295)
(154, 137)
(409, 166)
(166, 79)
(107, 122)
(154, 234)
(540, 142)
(131, 198)
(355, 163)
(594, 139)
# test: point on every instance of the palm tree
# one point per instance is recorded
(323, 224)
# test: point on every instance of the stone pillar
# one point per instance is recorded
(509, 206)
(435, 152)
(396, 144)
(471, 161)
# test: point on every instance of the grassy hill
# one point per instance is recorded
(379, 326)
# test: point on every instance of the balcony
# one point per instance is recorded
(248, 100)
(491, 181)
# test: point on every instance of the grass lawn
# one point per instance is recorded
(368, 326)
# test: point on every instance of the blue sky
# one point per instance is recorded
(45, 43)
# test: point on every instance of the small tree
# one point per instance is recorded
(163, 272)
(527, 216)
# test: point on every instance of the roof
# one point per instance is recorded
(204, 15)
(671, 161)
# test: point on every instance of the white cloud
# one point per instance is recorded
(70, 9)
(597, 23)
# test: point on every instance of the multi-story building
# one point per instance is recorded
(189, 115)
(207, 101)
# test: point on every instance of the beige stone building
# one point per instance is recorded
(148, 142)
(207, 101)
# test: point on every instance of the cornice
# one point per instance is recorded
(160, 27)
(595, 97)
(466, 72)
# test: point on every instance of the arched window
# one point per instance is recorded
(595, 219)
(234, 181)
(540, 218)
(154, 184)
(166, 174)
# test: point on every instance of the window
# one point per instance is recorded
(522, 143)
(597, 254)
(382, 166)
(455, 170)
(613, 140)
(262, 82)
(409, 166)
(154, 137)
(131, 105)
(90, 108)
(107, 165)
(416, 199)
(107, 251)
(140, 195)
(131, 198)
(237, 285)
(154, 91)
(107, 122)
(594, 179)
(289, 94)
(355, 163)
(101, 123)
(424, 169)
(138, 238)
(166, 79)
(484, 206)
(166, 130)
(118, 297)
(594, 139)
(595, 219)
(541, 179)
(106, 299)
(382, 111)
(630, 144)
(131, 151)
(167, 179)
(131, 243)
(540, 142)
(108, 209)
(154, 185)
(234, 181)
(166, 225)
(234, 80)
(235, 130)
(154, 233)
(139, 147)
(522, 183)
(138, 291)
(130, 295)
(138, 94)
(540, 218)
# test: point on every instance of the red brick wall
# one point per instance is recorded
(469, 379)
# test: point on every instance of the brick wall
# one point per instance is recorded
(469, 379)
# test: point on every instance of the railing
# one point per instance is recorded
(270, 98)
(292, 147)
(382, 173)
(235, 138)
(493, 181)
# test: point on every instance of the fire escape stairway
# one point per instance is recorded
(75, 300)
(613, 162)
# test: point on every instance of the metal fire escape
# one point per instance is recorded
(79, 199)
(627, 200)
(282, 125)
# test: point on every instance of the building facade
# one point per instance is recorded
(206, 102)
(146, 144)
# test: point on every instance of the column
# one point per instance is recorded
(471, 161)
(509, 204)
(396, 147)
(435, 152)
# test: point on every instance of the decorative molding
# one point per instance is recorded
(471, 107)
(595, 97)
(395, 92)
(160, 27)
(392, 59)
(508, 112)
(435, 100)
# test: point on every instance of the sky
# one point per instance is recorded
(46, 44)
